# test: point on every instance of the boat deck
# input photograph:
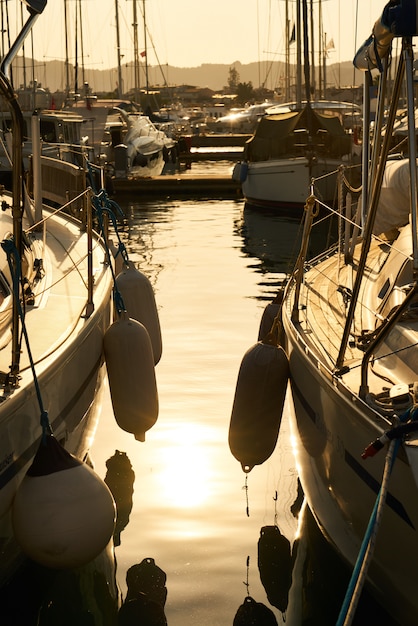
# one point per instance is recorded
(54, 316)
(325, 299)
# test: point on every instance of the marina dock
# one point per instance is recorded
(178, 186)
(211, 181)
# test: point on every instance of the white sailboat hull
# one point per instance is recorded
(280, 183)
(67, 349)
(341, 488)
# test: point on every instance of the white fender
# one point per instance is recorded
(63, 514)
(131, 373)
(139, 300)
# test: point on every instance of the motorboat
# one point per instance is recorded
(350, 332)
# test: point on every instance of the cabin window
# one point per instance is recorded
(48, 131)
(384, 289)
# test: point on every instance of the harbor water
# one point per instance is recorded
(214, 266)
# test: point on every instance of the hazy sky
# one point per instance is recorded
(187, 33)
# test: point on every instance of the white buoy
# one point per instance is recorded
(258, 404)
(139, 300)
(131, 373)
(63, 514)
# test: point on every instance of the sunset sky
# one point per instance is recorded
(187, 33)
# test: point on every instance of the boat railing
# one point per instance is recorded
(85, 217)
(61, 181)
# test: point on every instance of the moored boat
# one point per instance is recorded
(350, 333)
(55, 307)
(289, 148)
(61, 138)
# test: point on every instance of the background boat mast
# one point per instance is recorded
(119, 85)
(136, 53)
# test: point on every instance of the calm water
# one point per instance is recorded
(214, 266)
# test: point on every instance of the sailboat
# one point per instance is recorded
(350, 333)
(55, 306)
(292, 145)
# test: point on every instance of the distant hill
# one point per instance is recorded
(52, 75)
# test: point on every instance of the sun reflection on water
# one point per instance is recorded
(185, 469)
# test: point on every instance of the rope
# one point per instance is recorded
(104, 206)
(15, 270)
(365, 555)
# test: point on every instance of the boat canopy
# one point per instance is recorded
(289, 134)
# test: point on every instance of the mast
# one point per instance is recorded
(136, 54)
(306, 51)
(119, 85)
(287, 57)
(145, 48)
(321, 92)
(76, 54)
(67, 62)
(312, 44)
(35, 8)
(82, 44)
(298, 56)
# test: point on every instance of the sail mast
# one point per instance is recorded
(287, 58)
(119, 85)
(298, 56)
(145, 48)
(136, 54)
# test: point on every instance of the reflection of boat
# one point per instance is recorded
(275, 239)
(351, 332)
(290, 148)
(319, 581)
(55, 305)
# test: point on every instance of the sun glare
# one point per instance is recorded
(185, 467)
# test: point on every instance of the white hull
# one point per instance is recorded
(286, 182)
(333, 425)
(331, 432)
(66, 347)
(153, 167)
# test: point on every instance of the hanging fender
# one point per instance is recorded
(139, 300)
(258, 404)
(131, 373)
(63, 514)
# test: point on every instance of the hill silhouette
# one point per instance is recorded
(53, 75)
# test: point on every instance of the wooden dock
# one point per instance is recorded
(194, 156)
(218, 140)
(177, 186)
